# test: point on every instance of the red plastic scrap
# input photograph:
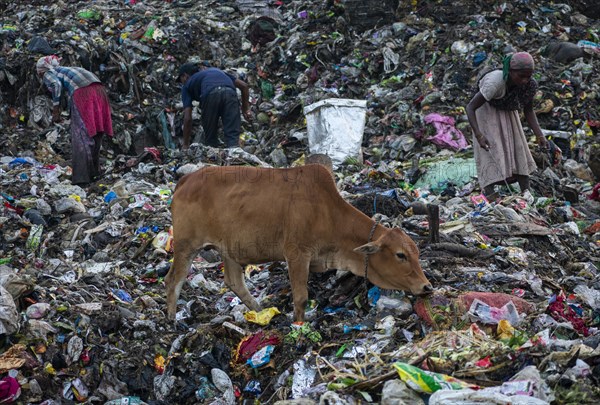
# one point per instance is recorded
(560, 310)
(484, 363)
(251, 344)
(154, 152)
(595, 193)
(592, 229)
(11, 207)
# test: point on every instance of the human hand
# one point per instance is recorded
(247, 115)
(56, 116)
(483, 142)
(543, 143)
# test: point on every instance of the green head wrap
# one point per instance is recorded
(506, 66)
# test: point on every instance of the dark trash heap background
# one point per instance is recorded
(82, 307)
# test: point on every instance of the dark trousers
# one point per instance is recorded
(221, 103)
(86, 160)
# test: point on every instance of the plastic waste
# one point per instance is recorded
(253, 387)
(40, 45)
(9, 318)
(485, 396)
(206, 389)
(540, 390)
(263, 317)
(35, 217)
(304, 375)
(111, 195)
(589, 295)
(10, 389)
(335, 128)
(223, 383)
(35, 237)
(517, 256)
(350, 328)
(397, 392)
(447, 136)
(427, 381)
(38, 310)
(304, 330)
(482, 312)
(261, 357)
(126, 401)
(89, 14)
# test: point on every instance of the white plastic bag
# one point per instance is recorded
(335, 128)
(9, 318)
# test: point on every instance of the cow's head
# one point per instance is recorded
(394, 263)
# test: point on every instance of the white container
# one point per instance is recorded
(335, 128)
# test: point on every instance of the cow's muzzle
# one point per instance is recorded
(427, 289)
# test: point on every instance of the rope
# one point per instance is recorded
(367, 256)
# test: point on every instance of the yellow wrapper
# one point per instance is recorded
(505, 330)
(263, 317)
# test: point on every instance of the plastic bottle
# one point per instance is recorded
(150, 30)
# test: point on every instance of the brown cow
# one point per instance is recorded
(256, 215)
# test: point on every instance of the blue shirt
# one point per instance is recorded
(71, 78)
(200, 84)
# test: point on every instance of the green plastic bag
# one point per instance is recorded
(428, 382)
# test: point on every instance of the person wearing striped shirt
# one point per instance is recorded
(69, 78)
(90, 113)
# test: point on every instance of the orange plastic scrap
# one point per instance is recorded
(159, 363)
(592, 229)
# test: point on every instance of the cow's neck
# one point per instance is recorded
(355, 233)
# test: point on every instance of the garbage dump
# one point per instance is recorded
(515, 313)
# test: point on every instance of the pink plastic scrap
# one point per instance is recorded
(447, 135)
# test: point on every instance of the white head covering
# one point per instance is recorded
(47, 63)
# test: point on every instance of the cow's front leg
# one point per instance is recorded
(234, 279)
(298, 273)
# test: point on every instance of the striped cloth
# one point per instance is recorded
(71, 78)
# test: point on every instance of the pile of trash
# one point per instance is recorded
(516, 311)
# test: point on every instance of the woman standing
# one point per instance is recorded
(90, 113)
(501, 151)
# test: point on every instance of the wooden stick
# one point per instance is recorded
(433, 212)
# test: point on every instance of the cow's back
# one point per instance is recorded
(256, 209)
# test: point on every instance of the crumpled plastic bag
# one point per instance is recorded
(13, 358)
(10, 390)
(263, 317)
(447, 135)
(16, 284)
(40, 45)
(9, 317)
(486, 396)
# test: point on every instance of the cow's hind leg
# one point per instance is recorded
(182, 261)
(234, 279)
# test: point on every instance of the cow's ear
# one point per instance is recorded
(368, 248)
